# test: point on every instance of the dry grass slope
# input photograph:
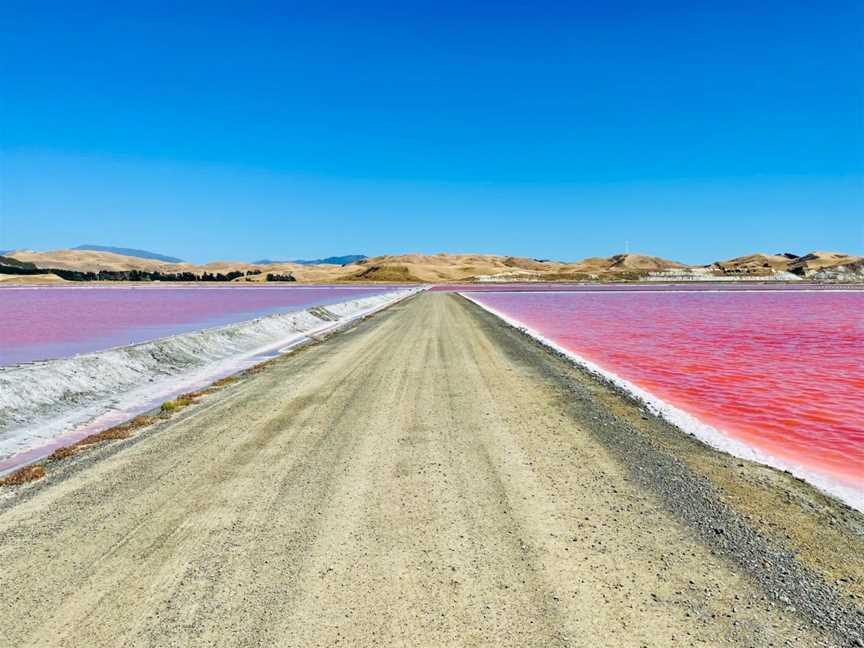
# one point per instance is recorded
(443, 268)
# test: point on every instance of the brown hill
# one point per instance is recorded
(31, 279)
(87, 261)
(420, 268)
(442, 267)
(92, 261)
(625, 263)
(804, 266)
(488, 267)
(391, 272)
(755, 264)
(816, 261)
(453, 268)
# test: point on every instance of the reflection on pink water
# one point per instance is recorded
(38, 323)
(781, 371)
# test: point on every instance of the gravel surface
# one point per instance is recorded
(428, 478)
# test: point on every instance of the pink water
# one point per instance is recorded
(782, 371)
(37, 323)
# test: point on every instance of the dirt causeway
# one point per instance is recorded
(429, 477)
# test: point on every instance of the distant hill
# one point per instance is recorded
(132, 252)
(89, 260)
(442, 268)
(15, 263)
(334, 260)
(491, 267)
(823, 264)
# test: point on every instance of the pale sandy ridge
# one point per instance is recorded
(419, 481)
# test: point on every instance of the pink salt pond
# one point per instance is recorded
(781, 371)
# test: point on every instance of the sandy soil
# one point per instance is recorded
(427, 478)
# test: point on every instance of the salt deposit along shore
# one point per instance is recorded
(850, 493)
(430, 476)
(49, 404)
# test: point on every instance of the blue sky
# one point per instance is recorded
(694, 131)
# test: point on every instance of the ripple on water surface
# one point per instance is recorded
(37, 323)
(781, 371)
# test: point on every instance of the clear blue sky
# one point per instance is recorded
(692, 130)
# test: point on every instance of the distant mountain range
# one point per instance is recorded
(334, 260)
(144, 254)
(132, 252)
(437, 268)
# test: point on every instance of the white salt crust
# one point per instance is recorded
(43, 401)
(708, 434)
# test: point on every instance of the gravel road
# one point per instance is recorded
(422, 479)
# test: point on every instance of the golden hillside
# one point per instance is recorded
(422, 268)
(450, 268)
(91, 261)
(766, 264)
